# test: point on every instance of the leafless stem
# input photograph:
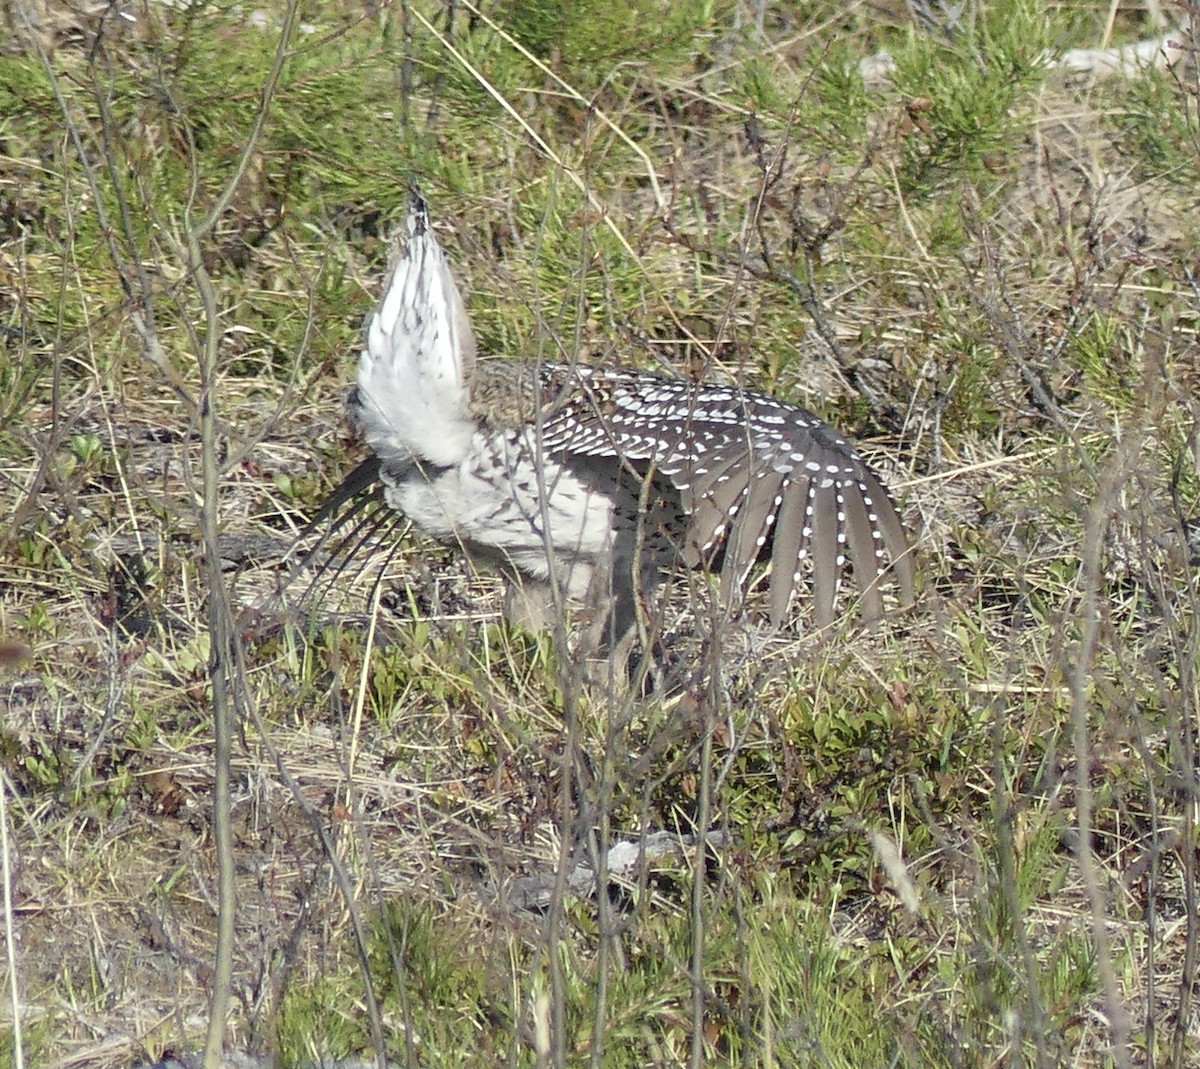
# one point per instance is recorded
(223, 655)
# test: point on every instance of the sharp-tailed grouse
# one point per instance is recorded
(599, 481)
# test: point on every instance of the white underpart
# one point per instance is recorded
(493, 492)
(496, 499)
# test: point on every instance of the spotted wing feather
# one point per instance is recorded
(758, 477)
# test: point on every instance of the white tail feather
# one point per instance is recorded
(418, 357)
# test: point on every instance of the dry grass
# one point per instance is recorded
(986, 273)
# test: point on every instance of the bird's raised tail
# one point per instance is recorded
(410, 403)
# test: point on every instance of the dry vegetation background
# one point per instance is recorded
(968, 839)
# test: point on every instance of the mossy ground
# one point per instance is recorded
(982, 269)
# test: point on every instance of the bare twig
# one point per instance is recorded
(223, 651)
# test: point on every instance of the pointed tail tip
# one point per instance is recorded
(418, 212)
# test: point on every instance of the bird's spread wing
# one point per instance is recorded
(759, 478)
